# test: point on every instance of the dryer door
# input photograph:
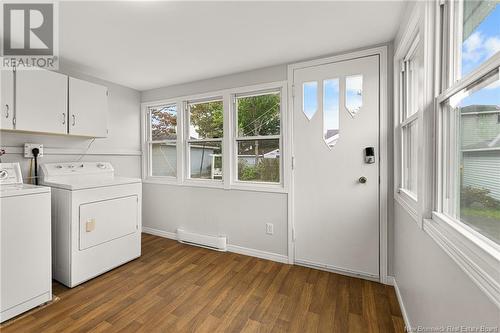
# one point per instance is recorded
(103, 221)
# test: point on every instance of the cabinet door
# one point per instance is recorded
(41, 101)
(6, 99)
(88, 108)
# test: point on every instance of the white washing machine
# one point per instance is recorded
(96, 219)
(25, 264)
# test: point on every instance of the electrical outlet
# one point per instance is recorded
(269, 228)
(28, 147)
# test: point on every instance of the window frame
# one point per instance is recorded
(476, 255)
(410, 41)
(228, 141)
(188, 141)
(149, 141)
(236, 138)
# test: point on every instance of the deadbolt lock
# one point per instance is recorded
(362, 180)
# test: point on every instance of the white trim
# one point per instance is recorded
(408, 203)
(382, 52)
(257, 253)
(160, 233)
(73, 151)
(230, 247)
(338, 270)
(477, 257)
(402, 306)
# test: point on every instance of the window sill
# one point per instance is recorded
(477, 257)
(255, 187)
(409, 203)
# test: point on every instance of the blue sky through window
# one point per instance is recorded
(310, 96)
(481, 45)
(330, 107)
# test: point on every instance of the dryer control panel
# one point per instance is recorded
(50, 170)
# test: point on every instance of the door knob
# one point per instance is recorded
(362, 180)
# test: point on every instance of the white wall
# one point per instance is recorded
(122, 146)
(240, 215)
(434, 289)
(244, 225)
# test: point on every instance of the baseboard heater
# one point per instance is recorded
(218, 243)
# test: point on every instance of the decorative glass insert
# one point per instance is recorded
(259, 115)
(354, 93)
(471, 168)
(164, 159)
(163, 122)
(259, 160)
(480, 33)
(205, 159)
(310, 98)
(206, 120)
(331, 111)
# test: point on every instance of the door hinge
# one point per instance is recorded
(293, 234)
(293, 162)
(107, 92)
(293, 90)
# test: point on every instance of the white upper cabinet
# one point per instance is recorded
(88, 108)
(41, 101)
(6, 99)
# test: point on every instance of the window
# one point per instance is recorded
(162, 140)
(206, 131)
(469, 188)
(331, 112)
(471, 157)
(354, 94)
(409, 107)
(258, 139)
(479, 39)
(310, 99)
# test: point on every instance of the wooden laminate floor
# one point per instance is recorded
(176, 288)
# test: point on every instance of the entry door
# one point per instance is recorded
(336, 190)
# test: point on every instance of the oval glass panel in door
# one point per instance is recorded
(310, 98)
(353, 94)
(331, 111)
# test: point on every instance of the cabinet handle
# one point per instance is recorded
(6, 110)
(74, 119)
(64, 118)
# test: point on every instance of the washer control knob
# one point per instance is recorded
(101, 165)
(3, 174)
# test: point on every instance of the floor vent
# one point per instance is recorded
(218, 243)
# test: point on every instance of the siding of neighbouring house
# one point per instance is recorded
(482, 170)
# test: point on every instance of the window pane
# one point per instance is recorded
(259, 160)
(163, 159)
(481, 33)
(163, 122)
(310, 98)
(206, 160)
(477, 170)
(331, 111)
(259, 115)
(354, 93)
(410, 156)
(206, 120)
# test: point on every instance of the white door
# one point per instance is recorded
(7, 99)
(88, 108)
(41, 101)
(336, 192)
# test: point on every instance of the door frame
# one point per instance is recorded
(382, 52)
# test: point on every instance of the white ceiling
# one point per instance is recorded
(146, 45)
